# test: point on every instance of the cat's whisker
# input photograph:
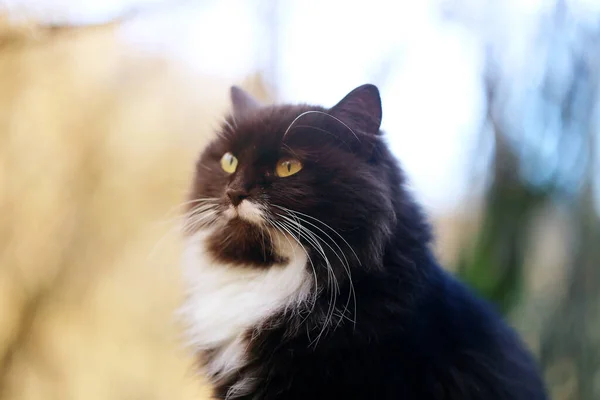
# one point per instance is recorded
(199, 212)
(320, 130)
(345, 265)
(310, 237)
(206, 168)
(314, 235)
(299, 214)
(202, 215)
(203, 200)
(270, 221)
(188, 219)
(229, 125)
(313, 300)
(235, 124)
(321, 113)
(206, 217)
(221, 135)
(332, 279)
(169, 220)
(191, 214)
(344, 262)
(264, 248)
(285, 231)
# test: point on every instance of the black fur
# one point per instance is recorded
(401, 328)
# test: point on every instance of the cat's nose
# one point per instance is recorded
(236, 196)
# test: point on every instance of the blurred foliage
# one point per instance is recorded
(543, 119)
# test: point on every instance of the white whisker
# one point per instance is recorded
(298, 213)
(299, 222)
(230, 126)
(344, 262)
(204, 200)
(189, 219)
(285, 231)
(309, 236)
(323, 113)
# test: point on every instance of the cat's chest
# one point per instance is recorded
(224, 301)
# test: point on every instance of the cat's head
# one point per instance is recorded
(320, 176)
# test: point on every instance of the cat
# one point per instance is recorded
(311, 275)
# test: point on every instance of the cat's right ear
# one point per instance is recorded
(243, 103)
(360, 109)
(360, 113)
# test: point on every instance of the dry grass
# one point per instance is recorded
(96, 147)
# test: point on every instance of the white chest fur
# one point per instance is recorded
(225, 301)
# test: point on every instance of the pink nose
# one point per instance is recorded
(236, 196)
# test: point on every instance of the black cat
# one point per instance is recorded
(311, 275)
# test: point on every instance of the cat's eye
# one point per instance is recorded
(287, 167)
(229, 163)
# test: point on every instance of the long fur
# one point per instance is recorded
(355, 305)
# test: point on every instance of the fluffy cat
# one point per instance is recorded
(310, 271)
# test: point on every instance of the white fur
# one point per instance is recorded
(240, 388)
(248, 211)
(225, 301)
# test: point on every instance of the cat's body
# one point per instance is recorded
(311, 274)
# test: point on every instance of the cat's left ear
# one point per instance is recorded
(243, 103)
(360, 110)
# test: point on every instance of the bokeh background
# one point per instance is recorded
(491, 105)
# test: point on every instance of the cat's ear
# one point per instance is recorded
(242, 102)
(360, 109)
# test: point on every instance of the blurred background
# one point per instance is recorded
(491, 105)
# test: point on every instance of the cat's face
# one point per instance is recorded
(294, 172)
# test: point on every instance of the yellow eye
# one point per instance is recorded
(288, 167)
(229, 163)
